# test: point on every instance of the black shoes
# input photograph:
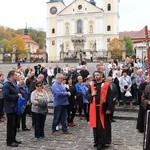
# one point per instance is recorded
(25, 129)
(99, 147)
(13, 144)
(112, 120)
(18, 142)
(95, 144)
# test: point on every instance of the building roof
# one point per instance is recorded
(133, 34)
(28, 39)
(89, 2)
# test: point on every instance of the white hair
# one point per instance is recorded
(59, 75)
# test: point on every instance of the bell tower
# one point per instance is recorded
(53, 8)
(111, 19)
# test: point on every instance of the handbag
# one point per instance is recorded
(128, 94)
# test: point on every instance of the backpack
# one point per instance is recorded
(21, 105)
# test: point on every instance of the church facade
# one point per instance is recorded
(81, 27)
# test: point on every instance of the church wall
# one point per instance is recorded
(94, 21)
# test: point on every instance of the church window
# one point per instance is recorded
(80, 7)
(53, 30)
(109, 7)
(91, 28)
(53, 42)
(108, 28)
(67, 28)
(79, 26)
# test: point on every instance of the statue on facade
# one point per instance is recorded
(109, 47)
(62, 47)
(94, 46)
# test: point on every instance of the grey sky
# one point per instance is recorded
(134, 14)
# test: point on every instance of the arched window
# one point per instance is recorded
(108, 28)
(109, 7)
(53, 30)
(79, 26)
(67, 28)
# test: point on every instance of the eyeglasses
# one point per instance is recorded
(39, 85)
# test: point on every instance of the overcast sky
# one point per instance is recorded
(134, 14)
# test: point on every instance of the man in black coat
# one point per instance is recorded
(114, 94)
(84, 72)
(11, 95)
(37, 70)
(57, 69)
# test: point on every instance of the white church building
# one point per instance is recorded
(80, 27)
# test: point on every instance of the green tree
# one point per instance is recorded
(4, 43)
(38, 36)
(6, 33)
(128, 46)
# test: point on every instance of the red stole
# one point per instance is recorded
(92, 113)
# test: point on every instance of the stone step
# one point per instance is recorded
(127, 108)
(125, 115)
(121, 112)
(121, 115)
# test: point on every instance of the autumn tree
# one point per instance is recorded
(20, 46)
(6, 33)
(116, 47)
(128, 46)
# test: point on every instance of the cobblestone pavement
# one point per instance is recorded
(124, 137)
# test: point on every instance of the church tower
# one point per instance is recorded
(53, 8)
(111, 19)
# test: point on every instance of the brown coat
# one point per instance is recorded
(146, 98)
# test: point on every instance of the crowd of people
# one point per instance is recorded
(76, 92)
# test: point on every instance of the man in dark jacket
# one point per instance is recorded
(84, 72)
(114, 95)
(11, 95)
(57, 69)
(37, 70)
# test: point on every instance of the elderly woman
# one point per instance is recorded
(125, 84)
(79, 89)
(24, 91)
(39, 100)
(141, 78)
(134, 90)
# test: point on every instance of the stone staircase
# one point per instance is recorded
(126, 112)
(121, 112)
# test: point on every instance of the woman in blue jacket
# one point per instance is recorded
(24, 91)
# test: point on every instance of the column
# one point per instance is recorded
(85, 26)
(73, 31)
